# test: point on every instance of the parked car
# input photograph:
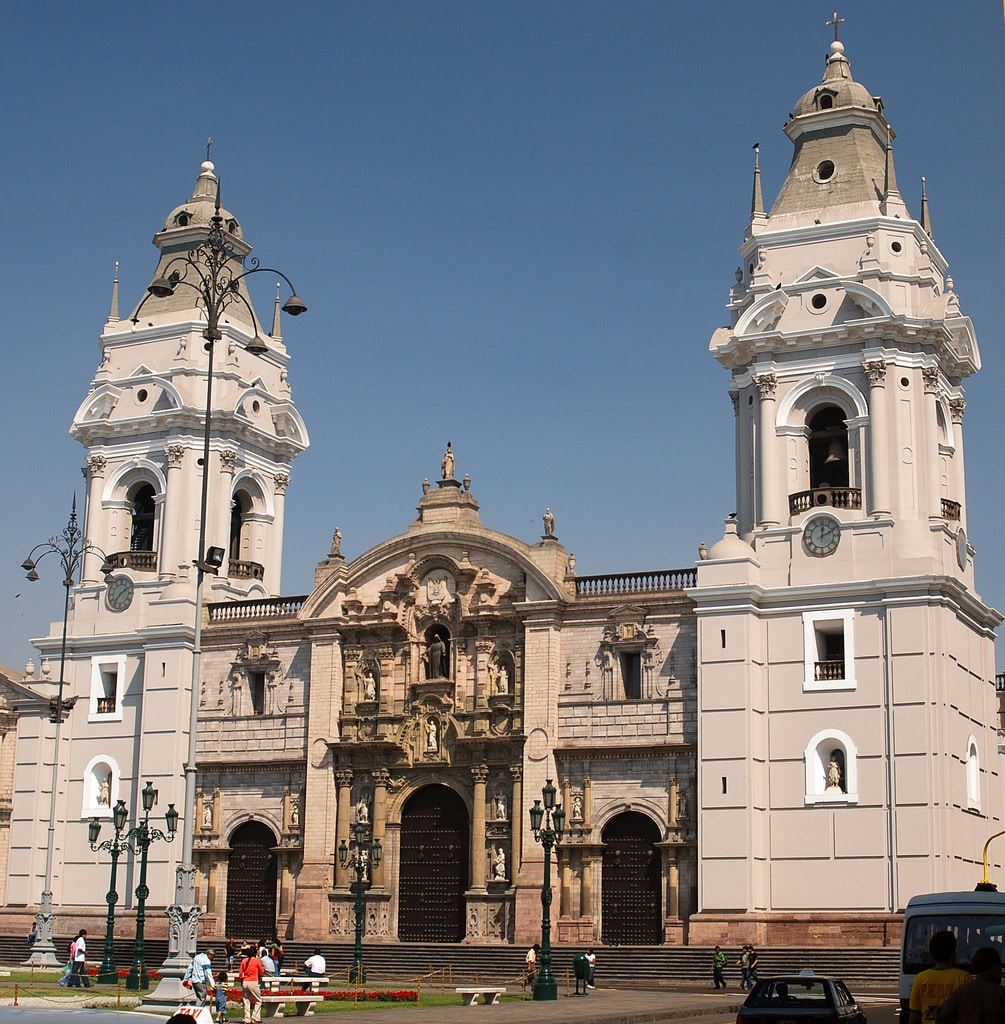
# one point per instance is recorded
(804, 998)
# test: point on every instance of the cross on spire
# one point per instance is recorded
(835, 22)
(209, 142)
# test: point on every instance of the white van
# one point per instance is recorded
(975, 918)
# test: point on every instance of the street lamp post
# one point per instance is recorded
(359, 855)
(547, 823)
(71, 547)
(137, 978)
(108, 974)
(215, 271)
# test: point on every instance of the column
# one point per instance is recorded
(565, 798)
(93, 559)
(769, 484)
(956, 409)
(587, 803)
(877, 452)
(564, 856)
(586, 895)
(212, 886)
(272, 555)
(929, 445)
(483, 648)
(517, 819)
(285, 886)
(480, 773)
(674, 790)
(381, 777)
(343, 782)
(221, 493)
(673, 884)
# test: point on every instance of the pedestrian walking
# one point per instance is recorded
(591, 968)
(250, 974)
(718, 966)
(744, 964)
(78, 961)
(199, 975)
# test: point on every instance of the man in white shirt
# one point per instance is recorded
(314, 965)
(78, 972)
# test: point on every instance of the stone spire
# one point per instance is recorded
(276, 334)
(113, 312)
(926, 221)
(757, 195)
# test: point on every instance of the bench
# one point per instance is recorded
(275, 1006)
(490, 994)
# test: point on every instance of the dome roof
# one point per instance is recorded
(201, 205)
(731, 545)
(838, 88)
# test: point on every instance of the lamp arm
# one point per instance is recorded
(985, 879)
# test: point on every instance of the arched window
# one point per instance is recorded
(142, 511)
(973, 776)
(828, 443)
(831, 768)
(240, 540)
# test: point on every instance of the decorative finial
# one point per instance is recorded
(926, 220)
(835, 22)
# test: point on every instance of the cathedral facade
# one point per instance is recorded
(779, 744)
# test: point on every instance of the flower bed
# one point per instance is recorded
(348, 995)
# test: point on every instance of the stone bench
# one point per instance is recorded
(275, 1006)
(490, 994)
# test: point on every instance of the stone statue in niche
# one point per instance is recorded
(207, 814)
(577, 806)
(369, 685)
(502, 679)
(432, 737)
(362, 810)
(835, 781)
(499, 802)
(682, 807)
(294, 813)
(105, 791)
(499, 865)
(436, 658)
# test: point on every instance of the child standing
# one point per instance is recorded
(221, 997)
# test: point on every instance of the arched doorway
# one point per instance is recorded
(251, 882)
(631, 882)
(433, 871)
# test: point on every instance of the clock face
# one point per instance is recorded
(120, 593)
(822, 535)
(961, 548)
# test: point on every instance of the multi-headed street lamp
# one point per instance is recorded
(215, 271)
(547, 823)
(108, 974)
(360, 855)
(71, 548)
(144, 835)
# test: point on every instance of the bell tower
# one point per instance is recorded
(847, 713)
(132, 626)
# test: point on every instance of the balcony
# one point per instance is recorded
(951, 510)
(245, 570)
(138, 561)
(835, 497)
(660, 581)
(106, 705)
(828, 671)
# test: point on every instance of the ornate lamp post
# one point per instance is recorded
(108, 974)
(358, 855)
(547, 823)
(71, 547)
(137, 978)
(215, 271)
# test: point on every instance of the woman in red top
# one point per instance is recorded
(250, 974)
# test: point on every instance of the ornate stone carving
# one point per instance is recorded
(956, 409)
(766, 383)
(281, 481)
(930, 375)
(875, 370)
(96, 465)
(228, 460)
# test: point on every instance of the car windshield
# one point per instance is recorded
(808, 992)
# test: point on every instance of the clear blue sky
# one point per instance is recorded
(515, 225)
